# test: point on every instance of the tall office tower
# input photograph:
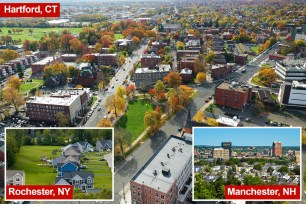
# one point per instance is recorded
(227, 145)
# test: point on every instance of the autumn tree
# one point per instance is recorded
(159, 88)
(173, 100)
(212, 122)
(210, 57)
(130, 89)
(152, 93)
(76, 46)
(14, 82)
(184, 94)
(199, 116)
(62, 119)
(105, 122)
(12, 96)
(8, 55)
(200, 78)
(267, 76)
(198, 66)
(65, 41)
(135, 40)
(55, 69)
(180, 45)
(173, 79)
(152, 119)
(122, 137)
(120, 91)
(116, 103)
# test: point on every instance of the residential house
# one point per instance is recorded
(78, 179)
(103, 145)
(58, 160)
(72, 151)
(84, 146)
(15, 177)
(63, 168)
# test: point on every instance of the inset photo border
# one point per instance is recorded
(39, 160)
(240, 163)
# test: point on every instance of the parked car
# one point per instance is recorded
(99, 109)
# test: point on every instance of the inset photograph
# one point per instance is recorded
(78, 158)
(247, 163)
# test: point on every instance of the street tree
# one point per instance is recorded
(200, 78)
(116, 103)
(199, 116)
(13, 97)
(152, 119)
(159, 88)
(105, 122)
(173, 79)
(122, 137)
(14, 82)
(62, 119)
(120, 91)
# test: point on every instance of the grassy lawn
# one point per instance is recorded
(37, 34)
(255, 80)
(28, 159)
(30, 85)
(118, 36)
(255, 49)
(102, 172)
(133, 118)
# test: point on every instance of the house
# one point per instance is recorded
(84, 146)
(57, 160)
(103, 145)
(63, 168)
(72, 151)
(78, 179)
(15, 177)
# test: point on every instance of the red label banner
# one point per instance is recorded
(40, 10)
(29, 192)
(262, 192)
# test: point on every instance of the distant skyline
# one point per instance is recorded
(247, 136)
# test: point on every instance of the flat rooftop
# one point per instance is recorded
(46, 60)
(64, 101)
(165, 158)
(232, 86)
(147, 70)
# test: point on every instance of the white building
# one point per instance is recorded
(292, 94)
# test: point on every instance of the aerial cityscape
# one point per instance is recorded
(229, 163)
(153, 70)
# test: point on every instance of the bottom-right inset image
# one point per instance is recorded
(247, 163)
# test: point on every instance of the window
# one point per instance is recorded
(162, 196)
(17, 179)
(156, 194)
(139, 193)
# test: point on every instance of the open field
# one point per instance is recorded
(37, 34)
(30, 85)
(133, 118)
(102, 172)
(28, 159)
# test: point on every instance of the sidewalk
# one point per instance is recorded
(128, 198)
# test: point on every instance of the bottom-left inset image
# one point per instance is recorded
(59, 164)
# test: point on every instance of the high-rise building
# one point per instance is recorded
(277, 149)
(227, 145)
(220, 153)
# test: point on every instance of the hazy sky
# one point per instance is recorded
(247, 136)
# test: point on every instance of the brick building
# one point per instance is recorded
(221, 153)
(106, 59)
(186, 62)
(166, 177)
(71, 102)
(277, 149)
(186, 75)
(182, 53)
(38, 67)
(241, 59)
(232, 95)
(219, 71)
(150, 60)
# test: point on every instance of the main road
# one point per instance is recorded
(117, 80)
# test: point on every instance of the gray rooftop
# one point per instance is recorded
(46, 60)
(165, 158)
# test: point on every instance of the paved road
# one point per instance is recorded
(147, 149)
(117, 80)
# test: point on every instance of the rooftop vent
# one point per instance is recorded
(155, 172)
(168, 155)
(162, 163)
(166, 171)
(173, 149)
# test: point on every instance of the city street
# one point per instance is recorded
(116, 81)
